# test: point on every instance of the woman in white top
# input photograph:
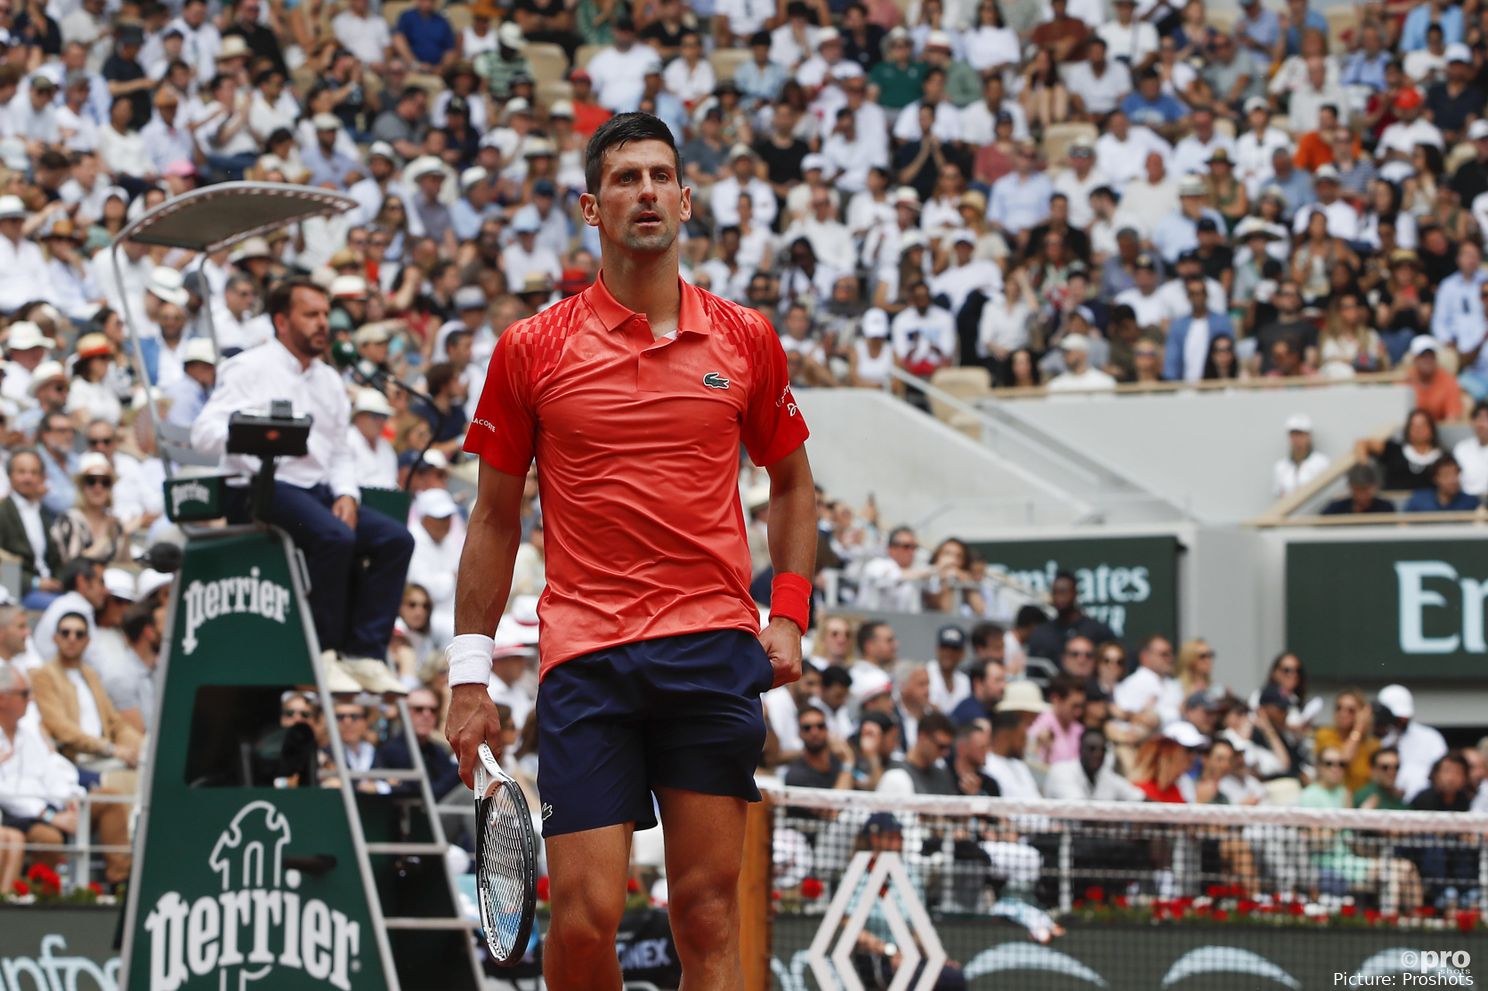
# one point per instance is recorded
(120, 147)
(1003, 327)
(689, 77)
(272, 106)
(871, 357)
(90, 396)
(992, 46)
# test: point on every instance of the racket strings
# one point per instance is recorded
(505, 863)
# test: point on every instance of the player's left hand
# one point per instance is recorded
(345, 510)
(782, 642)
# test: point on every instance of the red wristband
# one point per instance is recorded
(790, 598)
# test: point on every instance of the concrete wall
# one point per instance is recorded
(1211, 453)
(919, 470)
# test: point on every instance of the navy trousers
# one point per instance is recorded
(356, 579)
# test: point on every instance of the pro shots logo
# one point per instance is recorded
(258, 925)
(241, 594)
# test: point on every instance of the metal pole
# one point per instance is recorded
(201, 271)
(139, 357)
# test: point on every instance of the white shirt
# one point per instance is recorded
(1343, 220)
(1012, 775)
(1125, 160)
(253, 378)
(781, 711)
(28, 766)
(376, 466)
(1420, 747)
(943, 698)
(1473, 458)
(1100, 94)
(619, 77)
(1134, 41)
(689, 84)
(1149, 308)
(1195, 349)
(916, 336)
(745, 17)
(958, 281)
(90, 721)
(979, 122)
(1144, 688)
(45, 632)
(1253, 155)
(434, 564)
(1192, 155)
(23, 274)
(883, 586)
(30, 513)
(367, 37)
(515, 696)
(1078, 190)
(1090, 380)
(1066, 779)
(1287, 476)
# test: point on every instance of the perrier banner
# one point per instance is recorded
(1128, 583)
(216, 899)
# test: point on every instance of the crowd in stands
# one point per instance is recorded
(1066, 193)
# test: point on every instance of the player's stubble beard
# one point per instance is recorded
(657, 242)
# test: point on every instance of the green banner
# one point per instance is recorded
(1128, 583)
(58, 946)
(218, 899)
(1390, 607)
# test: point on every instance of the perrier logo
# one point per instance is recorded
(206, 601)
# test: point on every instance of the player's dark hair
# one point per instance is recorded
(282, 295)
(621, 130)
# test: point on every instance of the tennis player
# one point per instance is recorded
(635, 396)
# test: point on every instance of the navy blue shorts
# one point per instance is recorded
(676, 712)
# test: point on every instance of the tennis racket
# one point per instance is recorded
(505, 860)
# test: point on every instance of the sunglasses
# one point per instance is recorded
(98, 481)
(1113, 660)
(101, 441)
(905, 547)
(423, 708)
(344, 717)
(73, 634)
(1387, 767)
(1079, 653)
(295, 713)
(1334, 763)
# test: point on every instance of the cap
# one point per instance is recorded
(381, 149)
(11, 208)
(1398, 699)
(1256, 103)
(167, 284)
(1273, 695)
(1206, 225)
(1219, 155)
(1201, 700)
(1145, 261)
(473, 176)
(580, 76)
(912, 239)
(149, 581)
(1325, 173)
(510, 35)
(40, 81)
(233, 46)
(45, 372)
(544, 187)
(975, 199)
(1458, 52)
(1080, 147)
(827, 35)
(120, 583)
(871, 685)
(562, 108)
(875, 324)
(1192, 185)
(881, 822)
(200, 350)
(348, 287)
(963, 236)
(435, 504)
(938, 39)
(1299, 423)
(326, 122)
(1408, 99)
(1022, 696)
(847, 69)
(433, 460)
(1076, 342)
(1422, 343)
(1184, 734)
(1478, 130)
(372, 333)
(813, 161)
(740, 151)
(371, 401)
(254, 247)
(535, 282)
(470, 298)
(25, 335)
(951, 636)
(526, 221)
(516, 105)
(93, 345)
(907, 196)
(422, 166)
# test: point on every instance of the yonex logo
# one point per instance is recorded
(715, 380)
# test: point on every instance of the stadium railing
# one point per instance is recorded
(1059, 894)
(79, 854)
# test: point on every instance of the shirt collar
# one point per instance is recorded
(691, 317)
(287, 357)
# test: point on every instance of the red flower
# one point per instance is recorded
(1425, 912)
(775, 894)
(812, 888)
(1296, 908)
(1466, 921)
(1216, 891)
(632, 886)
(542, 888)
(21, 888)
(1095, 893)
(1220, 915)
(1122, 901)
(1159, 911)
(1372, 915)
(1348, 911)
(1245, 906)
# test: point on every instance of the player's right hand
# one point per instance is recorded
(472, 720)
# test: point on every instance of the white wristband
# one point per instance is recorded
(469, 656)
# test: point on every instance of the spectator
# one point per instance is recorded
(1005, 765)
(26, 529)
(949, 685)
(360, 752)
(1150, 693)
(1445, 495)
(1471, 453)
(1405, 463)
(1091, 776)
(439, 764)
(1363, 497)
(893, 581)
(1190, 337)
(987, 690)
(1302, 464)
(784, 707)
(1079, 375)
(1289, 676)
(423, 37)
(1419, 746)
(75, 709)
(1057, 730)
(1351, 735)
(973, 741)
(82, 591)
(817, 765)
(90, 529)
(1330, 790)
(835, 690)
(1161, 766)
(130, 684)
(1196, 669)
(923, 770)
(1380, 791)
(1048, 639)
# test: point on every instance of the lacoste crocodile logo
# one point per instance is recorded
(715, 380)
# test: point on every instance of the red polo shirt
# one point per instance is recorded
(637, 446)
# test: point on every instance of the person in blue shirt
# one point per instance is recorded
(1443, 12)
(1149, 106)
(1366, 67)
(1445, 495)
(423, 36)
(1301, 19)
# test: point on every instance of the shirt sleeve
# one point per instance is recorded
(504, 430)
(773, 424)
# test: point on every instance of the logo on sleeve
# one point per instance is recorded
(715, 380)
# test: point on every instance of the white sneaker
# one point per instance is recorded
(338, 680)
(374, 675)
